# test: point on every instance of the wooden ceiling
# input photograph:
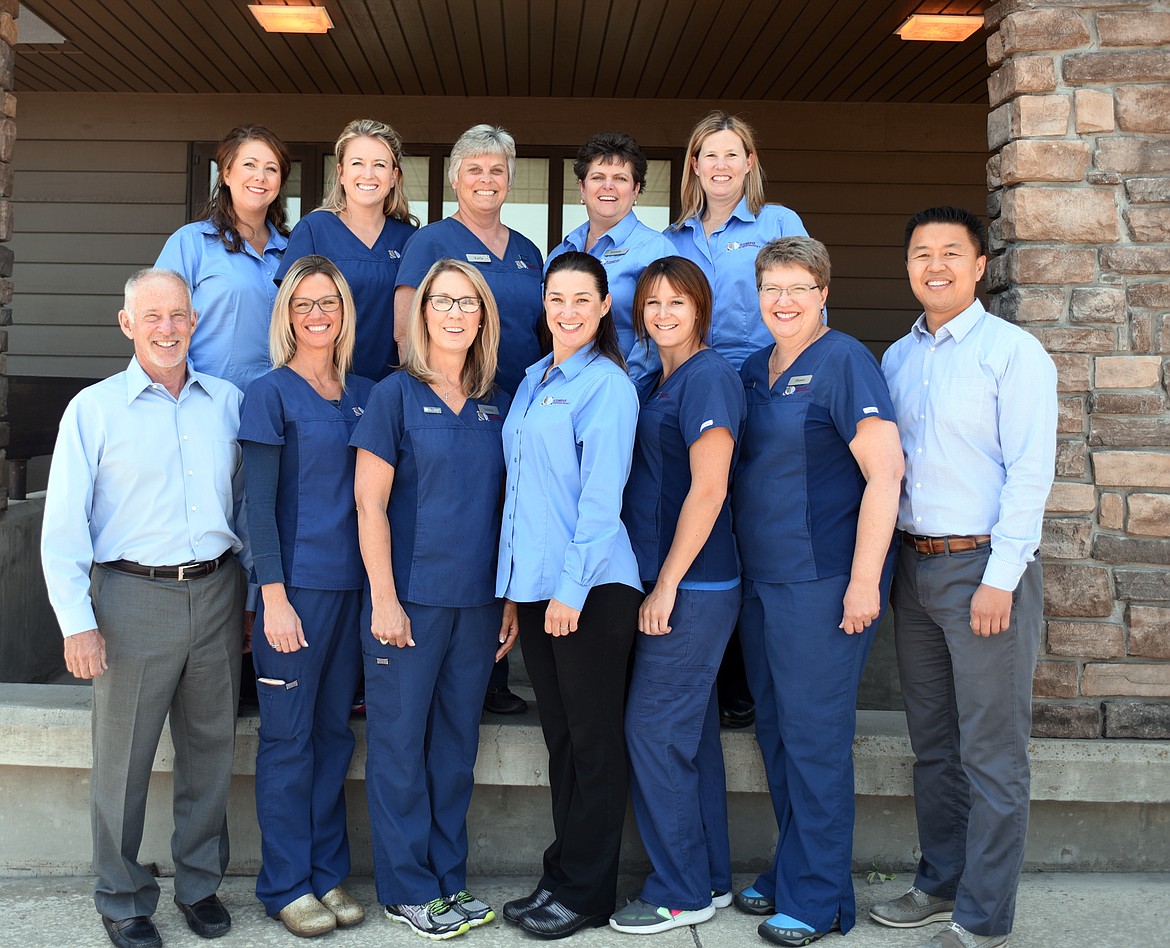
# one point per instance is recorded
(779, 50)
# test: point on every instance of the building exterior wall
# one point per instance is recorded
(8, 12)
(1080, 202)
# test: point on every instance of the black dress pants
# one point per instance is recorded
(580, 682)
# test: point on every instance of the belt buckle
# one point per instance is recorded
(182, 570)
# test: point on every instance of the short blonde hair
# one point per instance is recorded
(694, 202)
(808, 253)
(282, 341)
(396, 204)
(479, 371)
(483, 140)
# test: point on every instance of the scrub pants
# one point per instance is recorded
(580, 685)
(305, 748)
(423, 706)
(677, 780)
(804, 672)
(969, 712)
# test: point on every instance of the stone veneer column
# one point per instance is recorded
(9, 10)
(1080, 208)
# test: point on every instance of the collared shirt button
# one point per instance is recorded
(918, 485)
(193, 507)
(918, 520)
(190, 473)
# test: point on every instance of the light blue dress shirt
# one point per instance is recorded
(728, 258)
(142, 476)
(976, 408)
(624, 250)
(233, 294)
(568, 441)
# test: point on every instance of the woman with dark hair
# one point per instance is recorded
(611, 173)
(363, 226)
(429, 476)
(295, 427)
(230, 257)
(678, 514)
(570, 582)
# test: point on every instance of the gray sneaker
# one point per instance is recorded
(912, 910)
(436, 919)
(956, 936)
(476, 911)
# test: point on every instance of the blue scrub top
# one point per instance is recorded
(624, 250)
(728, 258)
(315, 514)
(233, 294)
(370, 272)
(568, 441)
(515, 282)
(703, 393)
(796, 492)
(444, 507)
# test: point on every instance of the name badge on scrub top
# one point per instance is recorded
(432, 410)
(798, 383)
(484, 411)
(616, 252)
(479, 258)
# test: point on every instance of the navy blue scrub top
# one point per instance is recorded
(515, 282)
(796, 491)
(315, 514)
(444, 507)
(370, 272)
(703, 393)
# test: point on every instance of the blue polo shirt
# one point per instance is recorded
(515, 282)
(370, 273)
(444, 507)
(703, 393)
(568, 441)
(624, 250)
(796, 492)
(316, 520)
(728, 258)
(233, 294)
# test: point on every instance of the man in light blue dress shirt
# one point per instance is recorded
(143, 521)
(975, 398)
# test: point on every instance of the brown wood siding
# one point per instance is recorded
(101, 181)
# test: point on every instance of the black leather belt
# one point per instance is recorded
(934, 545)
(182, 573)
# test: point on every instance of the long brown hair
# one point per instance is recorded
(694, 202)
(219, 210)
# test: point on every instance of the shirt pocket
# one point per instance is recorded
(963, 404)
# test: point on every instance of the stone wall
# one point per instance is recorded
(9, 10)
(1080, 209)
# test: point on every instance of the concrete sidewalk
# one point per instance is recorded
(1056, 910)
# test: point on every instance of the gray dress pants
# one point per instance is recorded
(969, 711)
(171, 647)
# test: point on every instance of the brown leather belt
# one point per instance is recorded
(934, 545)
(183, 573)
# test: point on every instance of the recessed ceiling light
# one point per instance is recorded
(291, 19)
(938, 27)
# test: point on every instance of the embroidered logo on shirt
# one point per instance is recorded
(358, 411)
(479, 258)
(394, 254)
(706, 424)
(381, 661)
(736, 245)
(870, 410)
(521, 265)
(549, 400)
(432, 410)
(487, 412)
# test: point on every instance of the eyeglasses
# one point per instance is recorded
(796, 292)
(302, 305)
(443, 304)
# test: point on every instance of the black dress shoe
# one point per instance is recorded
(135, 932)
(554, 920)
(517, 907)
(737, 713)
(207, 918)
(502, 701)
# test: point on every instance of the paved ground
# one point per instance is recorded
(1056, 910)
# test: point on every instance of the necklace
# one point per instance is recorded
(452, 388)
(774, 365)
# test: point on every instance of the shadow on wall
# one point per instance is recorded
(30, 641)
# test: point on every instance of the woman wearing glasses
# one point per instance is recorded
(430, 471)
(295, 427)
(821, 428)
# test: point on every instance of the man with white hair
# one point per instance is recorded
(143, 524)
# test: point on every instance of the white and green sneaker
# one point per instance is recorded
(642, 918)
(476, 911)
(435, 920)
